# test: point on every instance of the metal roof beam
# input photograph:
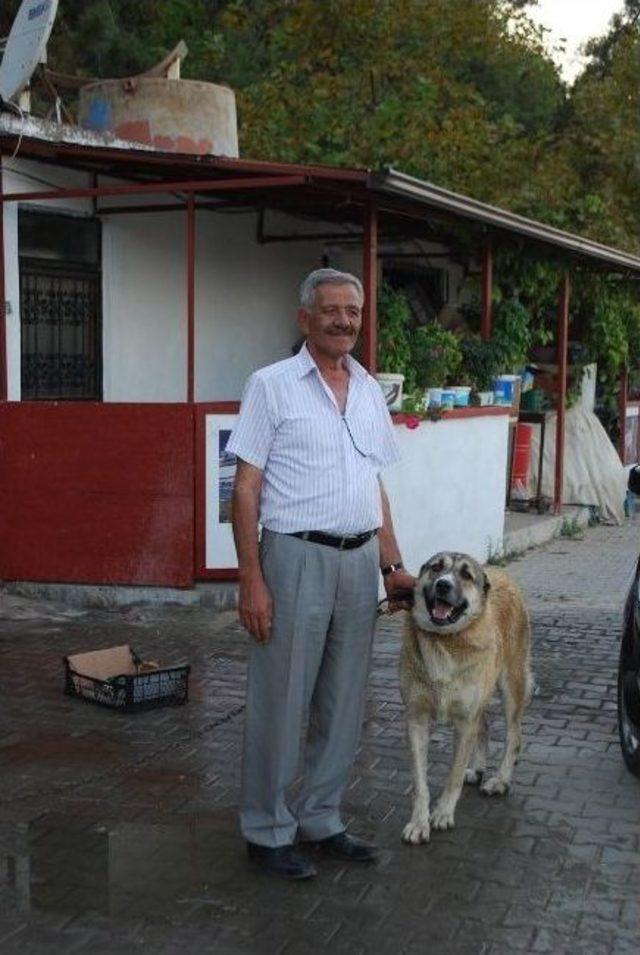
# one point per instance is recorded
(156, 188)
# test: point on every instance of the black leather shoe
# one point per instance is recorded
(283, 861)
(344, 846)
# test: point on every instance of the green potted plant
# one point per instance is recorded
(394, 356)
(512, 338)
(481, 363)
(437, 357)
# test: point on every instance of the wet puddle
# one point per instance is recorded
(125, 869)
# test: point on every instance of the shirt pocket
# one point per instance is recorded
(305, 440)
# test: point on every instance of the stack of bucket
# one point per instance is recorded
(521, 461)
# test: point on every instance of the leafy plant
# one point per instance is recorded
(511, 335)
(481, 362)
(570, 527)
(394, 336)
(436, 353)
(413, 403)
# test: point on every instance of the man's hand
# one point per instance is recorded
(399, 587)
(255, 606)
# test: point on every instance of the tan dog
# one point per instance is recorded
(468, 632)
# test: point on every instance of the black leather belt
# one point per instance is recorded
(342, 543)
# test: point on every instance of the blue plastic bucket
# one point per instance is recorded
(504, 389)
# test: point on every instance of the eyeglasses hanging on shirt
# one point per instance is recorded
(362, 454)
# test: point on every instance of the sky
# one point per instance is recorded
(577, 20)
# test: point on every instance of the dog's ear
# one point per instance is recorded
(486, 587)
(423, 568)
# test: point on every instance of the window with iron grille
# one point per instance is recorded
(60, 307)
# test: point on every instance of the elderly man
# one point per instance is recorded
(313, 434)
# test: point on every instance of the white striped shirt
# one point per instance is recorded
(320, 466)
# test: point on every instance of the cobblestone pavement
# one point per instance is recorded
(118, 833)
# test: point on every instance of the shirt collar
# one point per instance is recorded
(307, 364)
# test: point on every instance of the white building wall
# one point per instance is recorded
(448, 491)
(144, 308)
(246, 302)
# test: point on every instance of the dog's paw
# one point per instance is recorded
(494, 786)
(473, 777)
(442, 818)
(416, 832)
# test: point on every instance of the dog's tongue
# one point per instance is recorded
(441, 611)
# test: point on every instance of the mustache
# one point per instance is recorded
(341, 330)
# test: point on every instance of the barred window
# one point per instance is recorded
(60, 307)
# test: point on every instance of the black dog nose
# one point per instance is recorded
(443, 587)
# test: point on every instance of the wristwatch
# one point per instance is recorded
(390, 568)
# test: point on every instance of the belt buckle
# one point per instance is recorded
(343, 542)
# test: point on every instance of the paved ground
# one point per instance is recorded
(118, 834)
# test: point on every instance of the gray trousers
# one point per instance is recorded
(316, 664)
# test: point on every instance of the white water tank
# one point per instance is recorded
(173, 115)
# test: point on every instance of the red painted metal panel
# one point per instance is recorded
(97, 493)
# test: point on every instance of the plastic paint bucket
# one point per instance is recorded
(504, 389)
(461, 396)
(391, 385)
(433, 397)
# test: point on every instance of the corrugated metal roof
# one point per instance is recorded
(455, 205)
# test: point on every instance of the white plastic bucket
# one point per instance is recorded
(461, 395)
(391, 385)
(485, 398)
(433, 397)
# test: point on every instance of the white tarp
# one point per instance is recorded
(593, 472)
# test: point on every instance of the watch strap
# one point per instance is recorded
(390, 568)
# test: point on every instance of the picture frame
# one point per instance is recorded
(216, 552)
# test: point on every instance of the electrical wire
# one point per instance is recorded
(23, 116)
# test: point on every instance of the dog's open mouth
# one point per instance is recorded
(443, 613)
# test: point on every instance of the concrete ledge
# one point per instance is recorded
(217, 596)
(523, 531)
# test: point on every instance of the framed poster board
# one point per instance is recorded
(216, 557)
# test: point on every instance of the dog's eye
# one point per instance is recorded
(466, 573)
(437, 567)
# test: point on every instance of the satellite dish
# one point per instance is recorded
(26, 45)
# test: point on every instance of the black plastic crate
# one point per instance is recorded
(139, 688)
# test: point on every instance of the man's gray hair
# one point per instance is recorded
(326, 277)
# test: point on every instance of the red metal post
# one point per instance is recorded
(623, 396)
(486, 291)
(4, 385)
(562, 345)
(191, 296)
(370, 283)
